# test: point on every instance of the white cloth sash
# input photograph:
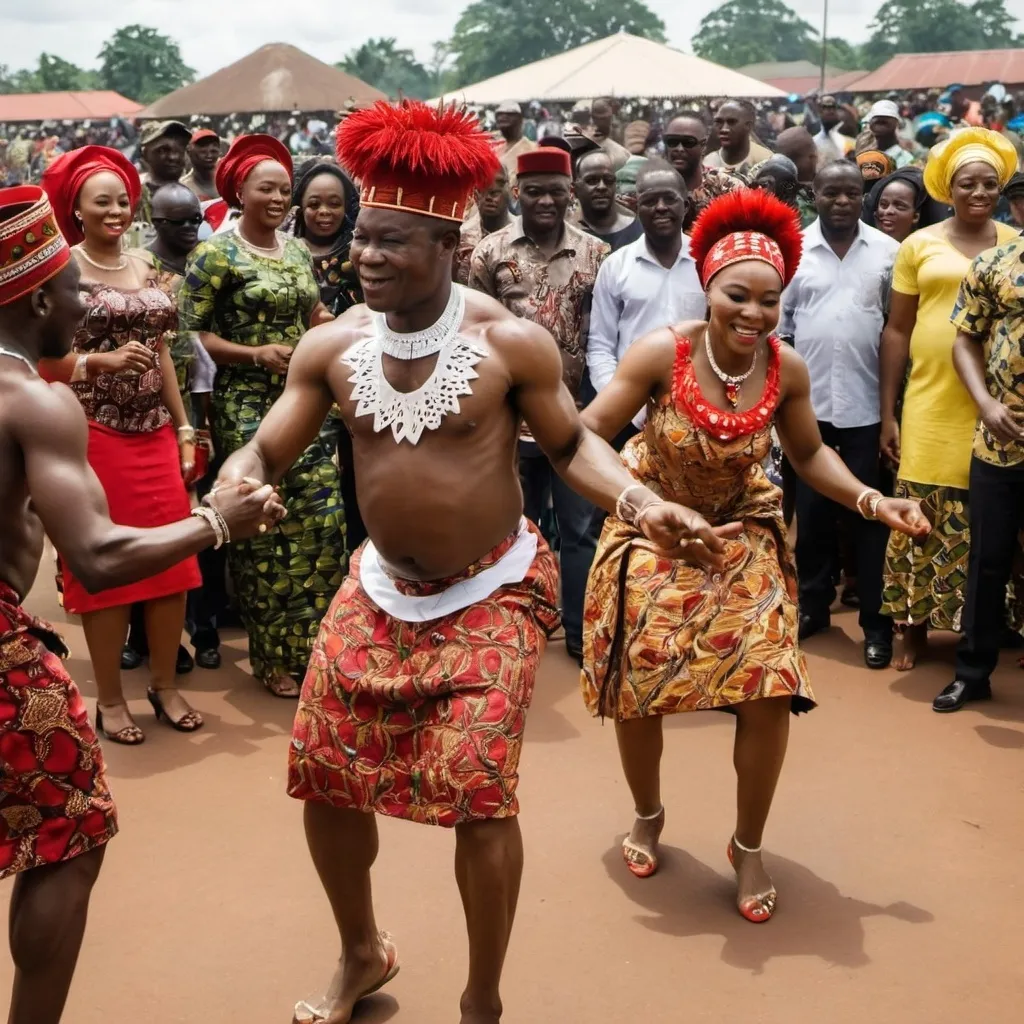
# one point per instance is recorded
(512, 567)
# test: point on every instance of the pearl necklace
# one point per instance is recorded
(732, 383)
(274, 251)
(17, 355)
(80, 249)
(428, 342)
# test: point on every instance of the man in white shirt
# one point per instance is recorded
(647, 284)
(834, 311)
(832, 144)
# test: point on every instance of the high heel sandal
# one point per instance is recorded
(129, 736)
(632, 853)
(189, 722)
(283, 686)
(760, 908)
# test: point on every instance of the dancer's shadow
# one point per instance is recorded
(688, 898)
(376, 1009)
(1000, 736)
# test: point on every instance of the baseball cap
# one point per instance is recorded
(204, 133)
(154, 130)
(509, 107)
(884, 108)
(1015, 186)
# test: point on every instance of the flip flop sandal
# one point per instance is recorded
(306, 1013)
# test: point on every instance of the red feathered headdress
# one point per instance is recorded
(417, 158)
(746, 224)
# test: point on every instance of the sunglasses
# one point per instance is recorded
(192, 222)
(685, 141)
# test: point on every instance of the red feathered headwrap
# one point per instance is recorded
(746, 224)
(64, 178)
(417, 158)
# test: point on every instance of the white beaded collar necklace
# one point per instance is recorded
(429, 341)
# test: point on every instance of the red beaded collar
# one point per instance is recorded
(722, 425)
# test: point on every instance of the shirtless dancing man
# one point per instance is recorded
(415, 701)
(56, 813)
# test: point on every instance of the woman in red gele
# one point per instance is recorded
(662, 636)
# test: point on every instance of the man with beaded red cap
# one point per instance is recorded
(415, 701)
(56, 812)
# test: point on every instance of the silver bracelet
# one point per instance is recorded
(627, 511)
(868, 501)
(216, 523)
(81, 371)
(639, 521)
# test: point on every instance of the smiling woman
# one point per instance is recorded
(252, 294)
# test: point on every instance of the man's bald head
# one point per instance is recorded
(169, 199)
(176, 217)
(798, 145)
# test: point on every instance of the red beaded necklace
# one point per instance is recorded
(722, 425)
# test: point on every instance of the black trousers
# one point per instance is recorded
(817, 533)
(997, 515)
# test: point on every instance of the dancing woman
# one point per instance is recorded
(662, 636)
(251, 293)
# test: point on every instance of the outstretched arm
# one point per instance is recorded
(817, 464)
(586, 462)
(295, 419)
(69, 499)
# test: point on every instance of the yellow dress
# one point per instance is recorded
(660, 636)
(939, 415)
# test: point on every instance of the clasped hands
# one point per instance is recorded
(247, 506)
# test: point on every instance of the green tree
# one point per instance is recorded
(744, 32)
(142, 64)
(492, 36)
(934, 26)
(18, 81)
(58, 75)
(380, 63)
(841, 55)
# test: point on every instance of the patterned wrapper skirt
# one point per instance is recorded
(927, 583)
(660, 636)
(423, 720)
(54, 800)
(141, 478)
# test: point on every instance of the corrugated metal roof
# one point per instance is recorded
(623, 66)
(937, 70)
(770, 70)
(842, 81)
(65, 106)
(275, 78)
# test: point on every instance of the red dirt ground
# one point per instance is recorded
(895, 845)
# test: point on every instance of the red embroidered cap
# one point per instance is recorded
(544, 160)
(32, 249)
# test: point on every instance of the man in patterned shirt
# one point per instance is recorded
(989, 357)
(491, 214)
(686, 139)
(543, 269)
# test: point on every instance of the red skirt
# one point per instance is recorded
(54, 800)
(141, 477)
(423, 721)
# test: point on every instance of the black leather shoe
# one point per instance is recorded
(877, 653)
(958, 693)
(810, 624)
(184, 664)
(208, 657)
(575, 651)
(130, 658)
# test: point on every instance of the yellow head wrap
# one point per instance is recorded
(967, 146)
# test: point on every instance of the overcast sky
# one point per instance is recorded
(213, 33)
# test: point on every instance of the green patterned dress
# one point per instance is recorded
(284, 581)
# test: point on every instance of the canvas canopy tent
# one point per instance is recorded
(274, 79)
(624, 66)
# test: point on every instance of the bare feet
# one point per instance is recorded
(913, 643)
(358, 976)
(640, 847)
(479, 1011)
(755, 895)
(473, 1017)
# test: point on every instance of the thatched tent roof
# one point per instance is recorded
(275, 78)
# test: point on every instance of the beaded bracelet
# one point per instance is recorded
(216, 521)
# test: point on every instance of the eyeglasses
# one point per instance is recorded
(192, 222)
(683, 141)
